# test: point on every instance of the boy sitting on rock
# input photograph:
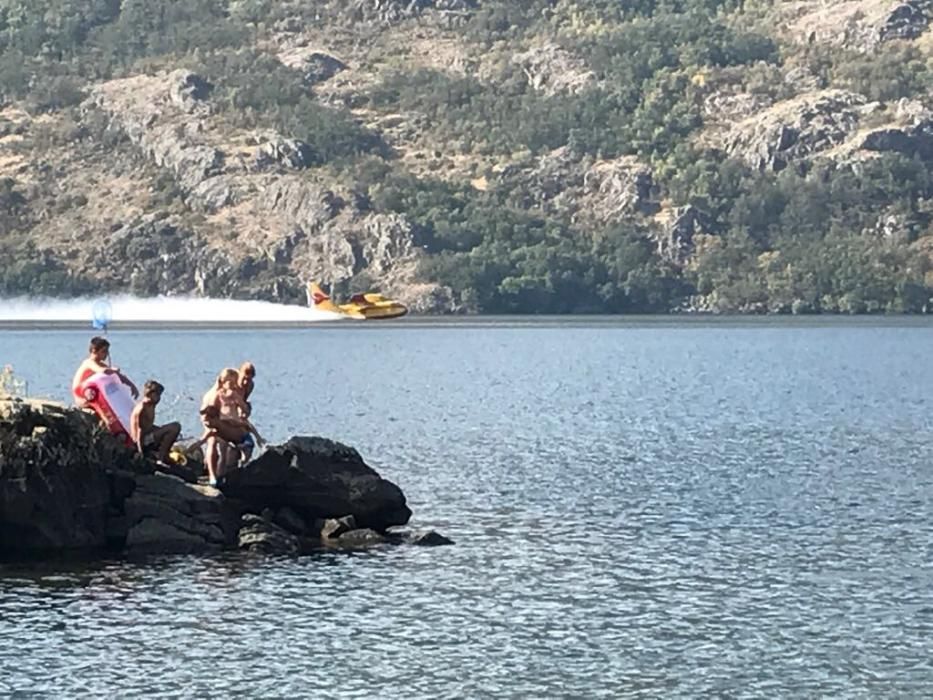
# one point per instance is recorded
(148, 436)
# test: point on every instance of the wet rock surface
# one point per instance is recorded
(265, 537)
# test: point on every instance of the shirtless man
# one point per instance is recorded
(145, 433)
(96, 362)
(226, 399)
(246, 384)
(228, 436)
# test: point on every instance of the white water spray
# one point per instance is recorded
(127, 309)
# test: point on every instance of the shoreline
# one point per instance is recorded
(493, 321)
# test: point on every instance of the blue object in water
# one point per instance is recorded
(101, 314)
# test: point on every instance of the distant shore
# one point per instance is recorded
(483, 321)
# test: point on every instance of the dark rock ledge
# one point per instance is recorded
(66, 486)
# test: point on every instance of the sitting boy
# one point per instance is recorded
(148, 436)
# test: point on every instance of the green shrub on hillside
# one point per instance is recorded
(812, 238)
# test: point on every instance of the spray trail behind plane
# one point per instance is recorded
(127, 309)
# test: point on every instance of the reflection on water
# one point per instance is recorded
(654, 511)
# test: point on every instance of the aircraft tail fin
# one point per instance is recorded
(317, 299)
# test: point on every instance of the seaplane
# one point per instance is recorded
(362, 307)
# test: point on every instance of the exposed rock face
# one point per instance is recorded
(53, 492)
(188, 91)
(389, 11)
(156, 256)
(166, 116)
(335, 527)
(385, 239)
(265, 537)
(907, 20)
(319, 479)
(915, 139)
(598, 193)
(859, 24)
(553, 70)
(618, 188)
(264, 208)
(165, 514)
(795, 129)
(290, 153)
(315, 65)
(675, 240)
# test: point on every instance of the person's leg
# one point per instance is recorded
(223, 460)
(245, 449)
(163, 437)
(210, 458)
(166, 436)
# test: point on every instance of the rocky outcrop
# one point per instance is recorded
(66, 485)
(592, 192)
(315, 65)
(262, 536)
(906, 20)
(795, 129)
(618, 188)
(861, 25)
(54, 495)
(165, 514)
(248, 184)
(157, 256)
(390, 11)
(274, 149)
(553, 70)
(168, 118)
(830, 125)
(319, 479)
(911, 140)
(430, 539)
(675, 238)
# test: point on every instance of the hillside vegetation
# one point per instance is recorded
(552, 156)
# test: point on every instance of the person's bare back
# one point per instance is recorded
(145, 433)
(143, 421)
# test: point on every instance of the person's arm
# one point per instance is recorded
(241, 405)
(252, 428)
(208, 434)
(126, 380)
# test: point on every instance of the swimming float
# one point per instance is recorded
(112, 401)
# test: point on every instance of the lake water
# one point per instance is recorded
(644, 509)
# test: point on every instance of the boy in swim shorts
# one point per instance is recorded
(148, 436)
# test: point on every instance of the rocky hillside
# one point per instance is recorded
(472, 155)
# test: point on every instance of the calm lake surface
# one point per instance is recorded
(640, 509)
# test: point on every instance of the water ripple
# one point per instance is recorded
(638, 513)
